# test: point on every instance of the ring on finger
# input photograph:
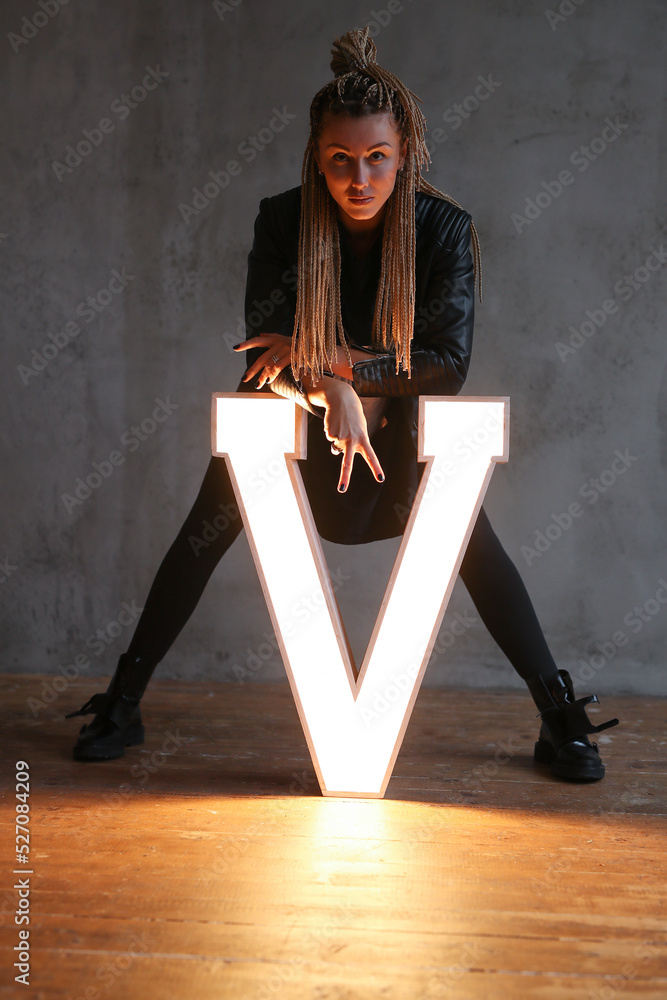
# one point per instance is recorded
(275, 358)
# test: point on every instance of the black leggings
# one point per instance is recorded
(490, 576)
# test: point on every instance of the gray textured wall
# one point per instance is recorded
(552, 81)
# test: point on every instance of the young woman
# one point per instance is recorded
(374, 247)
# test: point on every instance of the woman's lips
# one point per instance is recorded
(361, 201)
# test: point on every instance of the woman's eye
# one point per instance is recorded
(375, 157)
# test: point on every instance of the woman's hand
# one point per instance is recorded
(345, 426)
(277, 355)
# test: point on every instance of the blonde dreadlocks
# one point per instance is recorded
(361, 86)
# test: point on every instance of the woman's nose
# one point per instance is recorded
(359, 176)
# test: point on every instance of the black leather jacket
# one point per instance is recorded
(440, 354)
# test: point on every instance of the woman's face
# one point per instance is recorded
(360, 158)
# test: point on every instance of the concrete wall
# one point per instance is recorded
(546, 84)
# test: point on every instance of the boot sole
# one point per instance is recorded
(544, 754)
(100, 751)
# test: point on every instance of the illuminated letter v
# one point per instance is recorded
(354, 726)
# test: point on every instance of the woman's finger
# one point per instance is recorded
(263, 340)
(372, 460)
(247, 344)
(278, 362)
(272, 369)
(346, 468)
(277, 355)
(256, 367)
(348, 451)
(271, 363)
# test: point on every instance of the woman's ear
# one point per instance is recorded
(403, 155)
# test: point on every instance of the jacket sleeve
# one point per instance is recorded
(270, 298)
(442, 337)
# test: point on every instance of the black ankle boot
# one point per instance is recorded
(563, 741)
(117, 723)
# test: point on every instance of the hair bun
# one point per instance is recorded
(353, 52)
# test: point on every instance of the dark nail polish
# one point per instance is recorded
(342, 488)
(381, 478)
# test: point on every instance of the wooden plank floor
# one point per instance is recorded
(206, 864)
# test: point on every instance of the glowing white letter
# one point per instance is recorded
(354, 725)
